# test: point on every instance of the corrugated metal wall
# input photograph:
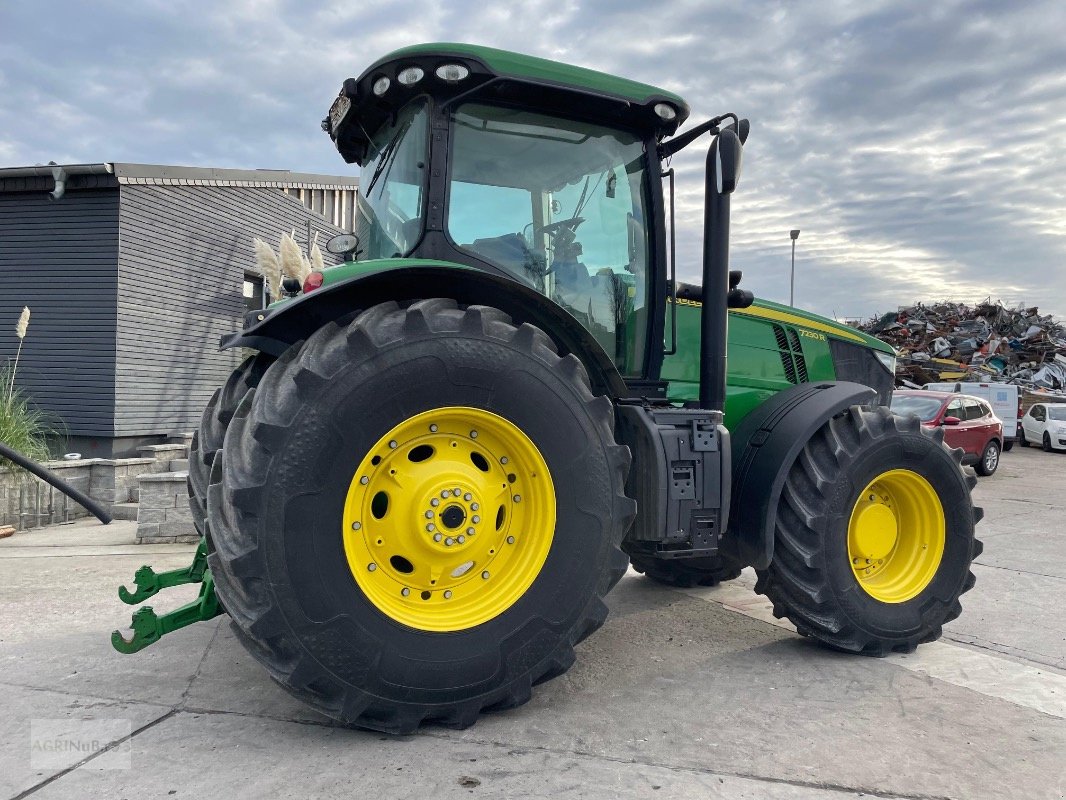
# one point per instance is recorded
(336, 205)
(59, 258)
(182, 260)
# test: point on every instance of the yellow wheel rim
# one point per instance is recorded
(449, 519)
(896, 536)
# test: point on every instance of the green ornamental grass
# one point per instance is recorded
(23, 426)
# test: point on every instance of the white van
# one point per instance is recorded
(1003, 397)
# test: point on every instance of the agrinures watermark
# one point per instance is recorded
(60, 743)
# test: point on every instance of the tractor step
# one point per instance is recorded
(147, 626)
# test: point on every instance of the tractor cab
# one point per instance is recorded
(544, 174)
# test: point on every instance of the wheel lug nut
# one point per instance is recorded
(445, 493)
(448, 594)
(392, 444)
(475, 519)
(356, 526)
(434, 502)
(485, 575)
(371, 567)
(449, 541)
(405, 591)
(457, 492)
(461, 539)
(364, 480)
(518, 498)
(429, 515)
(431, 527)
(473, 434)
(437, 537)
(468, 497)
(503, 460)
(510, 540)
(470, 531)
(432, 428)
(474, 506)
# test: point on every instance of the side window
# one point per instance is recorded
(1037, 413)
(986, 411)
(955, 409)
(493, 221)
(973, 409)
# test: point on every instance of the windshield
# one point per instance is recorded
(562, 206)
(388, 219)
(1057, 413)
(925, 407)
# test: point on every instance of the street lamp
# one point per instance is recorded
(792, 283)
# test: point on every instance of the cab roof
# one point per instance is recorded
(497, 76)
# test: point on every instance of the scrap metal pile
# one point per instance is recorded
(988, 342)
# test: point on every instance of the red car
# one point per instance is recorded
(968, 423)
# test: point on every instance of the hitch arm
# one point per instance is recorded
(148, 627)
(149, 582)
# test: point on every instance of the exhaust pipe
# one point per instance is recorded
(722, 172)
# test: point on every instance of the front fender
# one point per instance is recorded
(274, 330)
(765, 445)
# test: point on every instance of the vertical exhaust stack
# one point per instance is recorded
(723, 170)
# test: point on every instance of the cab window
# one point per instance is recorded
(388, 217)
(562, 206)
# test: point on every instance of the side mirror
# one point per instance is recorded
(742, 129)
(727, 153)
(951, 421)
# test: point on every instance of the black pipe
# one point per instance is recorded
(48, 476)
(714, 319)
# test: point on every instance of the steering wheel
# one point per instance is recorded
(554, 227)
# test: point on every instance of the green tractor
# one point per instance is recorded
(446, 450)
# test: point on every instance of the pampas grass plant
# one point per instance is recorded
(22, 426)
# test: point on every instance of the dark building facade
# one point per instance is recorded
(132, 273)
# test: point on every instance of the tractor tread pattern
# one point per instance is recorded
(238, 565)
(794, 581)
(208, 440)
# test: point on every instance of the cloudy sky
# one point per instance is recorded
(920, 147)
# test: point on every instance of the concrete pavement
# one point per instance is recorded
(694, 693)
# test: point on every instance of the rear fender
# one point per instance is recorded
(274, 330)
(765, 446)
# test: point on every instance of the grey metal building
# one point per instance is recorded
(132, 273)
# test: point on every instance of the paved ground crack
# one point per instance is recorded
(66, 771)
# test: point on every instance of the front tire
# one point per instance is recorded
(334, 435)
(874, 535)
(1045, 443)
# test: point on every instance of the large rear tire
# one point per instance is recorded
(326, 527)
(687, 572)
(874, 535)
(208, 440)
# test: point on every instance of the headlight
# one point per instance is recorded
(887, 361)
